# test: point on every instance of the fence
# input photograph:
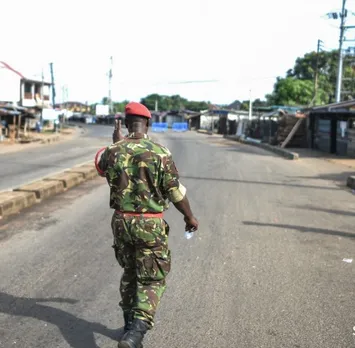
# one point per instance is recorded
(180, 127)
(159, 127)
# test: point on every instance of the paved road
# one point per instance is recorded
(266, 269)
(29, 165)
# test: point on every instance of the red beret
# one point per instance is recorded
(137, 109)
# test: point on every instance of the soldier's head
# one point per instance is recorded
(137, 117)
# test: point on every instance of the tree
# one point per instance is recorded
(165, 103)
(105, 101)
(297, 88)
(260, 103)
(174, 102)
(256, 103)
(119, 106)
(196, 106)
(149, 101)
(293, 92)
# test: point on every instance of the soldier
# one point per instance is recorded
(143, 179)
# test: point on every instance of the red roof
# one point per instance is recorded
(7, 66)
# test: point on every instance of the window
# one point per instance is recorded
(38, 89)
(28, 87)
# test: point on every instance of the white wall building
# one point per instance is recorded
(17, 89)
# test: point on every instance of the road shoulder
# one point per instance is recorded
(41, 140)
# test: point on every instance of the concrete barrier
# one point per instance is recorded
(180, 127)
(13, 202)
(68, 180)
(159, 127)
(351, 182)
(88, 171)
(43, 189)
(275, 149)
(202, 131)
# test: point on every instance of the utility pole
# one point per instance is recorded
(53, 87)
(42, 97)
(319, 47)
(109, 86)
(250, 106)
(340, 58)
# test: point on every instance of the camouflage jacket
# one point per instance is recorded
(141, 174)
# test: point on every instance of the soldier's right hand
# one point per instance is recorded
(191, 223)
(117, 133)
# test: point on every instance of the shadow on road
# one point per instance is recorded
(324, 210)
(252, 150)
(339, 179)
(258, 182)
(341, 176)
(303, 229)
(78, 333)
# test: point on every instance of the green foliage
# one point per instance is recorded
(256, 103)
(175, 102)
(297, 88)
(164, 103)
(119, 106)
(196, 106)
(291, 91)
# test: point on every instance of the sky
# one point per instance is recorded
(157, 45)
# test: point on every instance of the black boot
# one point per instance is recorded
(128, 319)
(134, 337)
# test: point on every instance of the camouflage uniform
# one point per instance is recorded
(143, 179)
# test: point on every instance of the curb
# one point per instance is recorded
(204, 132)
(277, 150)
(351, 182)
(50, 140)
(25, 196)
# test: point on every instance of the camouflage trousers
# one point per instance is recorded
(141, 248)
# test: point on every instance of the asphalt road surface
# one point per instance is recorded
(265, 270)
(21, 167)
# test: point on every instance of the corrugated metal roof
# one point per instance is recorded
(271, 114)
(329, 107)
(9, 112)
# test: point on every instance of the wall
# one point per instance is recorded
(9, 86)
(206, 122)
(351, 144)
(170, 119)
(34, 96)
(342, 141)
(322, 135)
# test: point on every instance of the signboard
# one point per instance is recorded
(343, 126)
(50, 114)
(102, 110)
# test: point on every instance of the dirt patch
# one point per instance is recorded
(33, 140)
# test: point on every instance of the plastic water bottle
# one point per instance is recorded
(188, 235)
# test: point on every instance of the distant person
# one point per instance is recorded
(143, 179)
